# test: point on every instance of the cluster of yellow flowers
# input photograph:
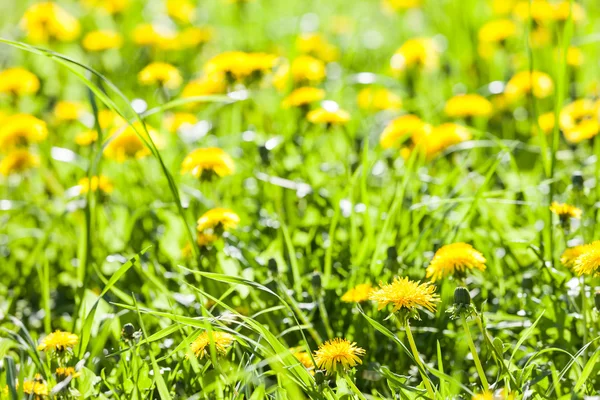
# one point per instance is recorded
(578, 121)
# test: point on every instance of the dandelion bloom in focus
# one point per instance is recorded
(18, 161)
(400, 128)
(303, 96)
(58, 341)
(178, 120)
(217, 219)
(405, 294)
(64, 372)
(35, 389)
(378, 99)
(159, 73)
(18, 81)
(126, 144)
(307, 69)
(468, 105)
(316, 45)
(328, 116)
(21, 130)
(109, 6)
(525, 82)
(101, 183)
(47, 20)
(497, 31)
(565, 211)
(571, 254)
(358, 294)
(338, 355)
(102, 40)
(221, 340)
(453, 258)
(68, 110)
(579, 120)
(207, 162)
(588, 261)
(420, 53)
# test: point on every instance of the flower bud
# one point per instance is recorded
(577, 180)
(128, 332)
(462, 296)
(272, 265)
(319, 377)
(316, 280)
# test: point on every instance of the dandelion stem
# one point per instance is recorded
(353, 387)
(480, 371)
(413, 348)
(584, 314)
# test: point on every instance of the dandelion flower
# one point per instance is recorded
(569, 256)
(564, 210)
(159, 73)
(64, 372)
(406, 294)
(487, 395)
(21, 130)
(207, 85)
(18, 161)
(401, 127)
(337, 355)
(315, 44)
(539, 10)
(18, 81)
(178, 120)
(126, 144)
(101, 183)
(218, 218)
(358, 294)
(497, 31)
(86, 138)
(329, 117)
(102, 40)
(452, 258)
(304, 358)
(109, 6)
(36, 389)
(579, 120)
(58, 341)
(575, 57)
(221, 340)
(205, 239)
(307, 69)
(546, 122)
(378, 99)
(588, 261)
(303, 96)
(419, 53)
(434, 140)
(68, 111)
(181, 10)
(468, 105)
(206, 163)
(525, 82)
(47, 20)
(239, 65)
(400, 5)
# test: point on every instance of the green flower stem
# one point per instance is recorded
(413, 348)
(353, 387)
(584, 314)
(480, 371)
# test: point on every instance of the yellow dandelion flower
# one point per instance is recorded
(540, 37)
(575, 57)
(68, 111)
(194, 36)
(566, 9)
(151, 35)
(579, 120)
(434, 140)
(21, 130)
(108, 119)
(497, 31)
(419, 53)
(64, 372)
(102, 40)
(18, 161)
(502, 7)
(221, 340)
(588, 261)
(304, 358)
(204, 86)
(400, 128)
(468, 105)
(303, 96)
(307, 69)
(546, 122)
(239, 65)
(109, 6)
(565, 211)
(205, 239)
(36, 389)
(58, 341)
(181, 10)
(487, 395)
(525, 82)
(178, 120)
(378, 99)
(328, 116)
(316, 45)
(400, 5)
(406, 294)
(101, 183)
(207, 162)
(540, 10)
(337, 355)
(217, 218)
(159, 73)
(18, 81)
(358, 294)
(86, 138)
(570, 255)
(47, 20)
(453, 258)
(125, 143)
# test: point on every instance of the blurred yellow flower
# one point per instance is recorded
(305, 359)
(378, 99)
(239, 65)
(541, 10)
(36, 389)
(575, 57)
(21, 130)
(303, 96)
(432, 141)
(579, 120)
(155, 36)
(181, 10)
(565, 211)
(329, 117)
(503, 7)
(194, 36)
(358, 294)
(101, 183)
(102, 40)
(177, 120)
(402, 127)
(403, 293)
(314, 44)
(86, 138)
(588, 261)
(110, 6)
(419, 53)
(453, 258)
(566, 9)
(204, 239)
(217, 219)
(162, 74)
(47, 20)
(338, 355)
(125, 142)
(18, 81)
(525, 82)
(18, 161)
(468, 105)
(546, 122)
(204, 86)
(205, 163)
(221, 341)
(307, 69)
(64, 372)
(487, 395)
(58, 341)
(108, 119)
(68, 110)
(497, 31)
(570, 254)
(540, 37)
(400, 5)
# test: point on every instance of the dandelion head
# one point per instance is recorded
(162, 74)
(221, 340)
(207, 163)
(454, 258)
(338, 355)
(588, 261)
(58, 341)
(18, 81)
(358, 294)
(217, 219)
(406, 296)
